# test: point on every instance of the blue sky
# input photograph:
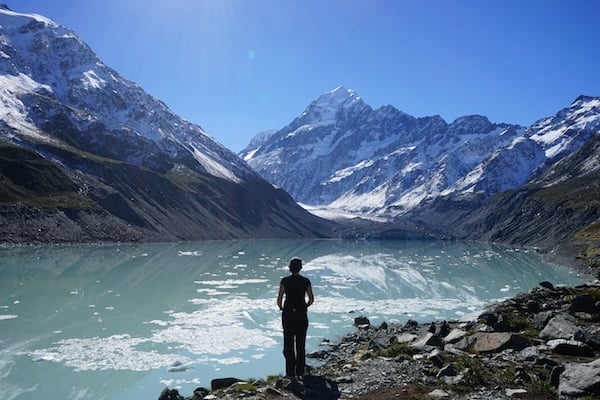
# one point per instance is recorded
(237, 67)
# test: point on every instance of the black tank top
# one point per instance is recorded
(295, 289)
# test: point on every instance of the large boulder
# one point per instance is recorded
(580, 379)
(570, 348)
(493, 342)
(562, 326)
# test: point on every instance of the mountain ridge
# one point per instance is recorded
(448, 179)
(138, 172)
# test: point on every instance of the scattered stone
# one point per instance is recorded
(438, 394)
(436, 358)
(221, 383)
(406, 338)
(448, 370)
(429, 339)
(344, 379)
(513, 392)
(547, 285)
(584, 303)
(357, 362)
(170, 394)
(362, 322)
(455, 335)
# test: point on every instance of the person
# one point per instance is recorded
(296, 289)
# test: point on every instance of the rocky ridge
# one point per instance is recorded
(543, 344)
(88, 156)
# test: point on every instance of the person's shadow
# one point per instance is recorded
(314, 387)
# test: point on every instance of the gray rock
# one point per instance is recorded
(584, 303)
(429, 339)
(492, 342)
(438, 394)
(221, 383)
(436, 358)
(170, 394)
(580, 379)
(465, 343)
(554, 377)
(562, 326)
(362, 322)
(406, 338)
(448, 370)
(570, 348)
(455, 335)
(541, 319)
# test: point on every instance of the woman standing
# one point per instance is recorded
(296, 288)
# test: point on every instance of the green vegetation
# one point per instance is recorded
(575, 193)
(477, 373)
(595, 293)
(246, 387)
(397, 350)
(191, 181)
(27, 178)
(590, 253)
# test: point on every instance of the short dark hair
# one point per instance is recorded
(295, 264)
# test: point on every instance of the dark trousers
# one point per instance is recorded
(294, 347)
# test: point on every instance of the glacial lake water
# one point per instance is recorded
(111, 321)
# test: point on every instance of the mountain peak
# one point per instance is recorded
(19, 20)
(339, 95)
(324, 109)
(470, 124)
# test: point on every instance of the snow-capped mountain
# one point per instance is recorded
(135, 169)
(342, 154)
(44, 63)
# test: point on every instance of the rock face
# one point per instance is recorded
(558, 212)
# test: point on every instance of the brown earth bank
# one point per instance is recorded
(543, 344)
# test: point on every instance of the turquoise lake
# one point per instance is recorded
(112, 321)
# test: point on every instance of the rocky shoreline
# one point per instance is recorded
(543, 344)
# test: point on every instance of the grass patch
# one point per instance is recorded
(477, 373)
(27, 178)
(397, 350)
(246, 387)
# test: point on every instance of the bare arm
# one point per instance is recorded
(280, 297)
(311, 297)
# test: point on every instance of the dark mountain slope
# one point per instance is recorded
(91, 199)
(557, 212)
(89, 156)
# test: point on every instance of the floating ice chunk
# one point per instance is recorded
(39, 356)
(189, 253)
(178, 366)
